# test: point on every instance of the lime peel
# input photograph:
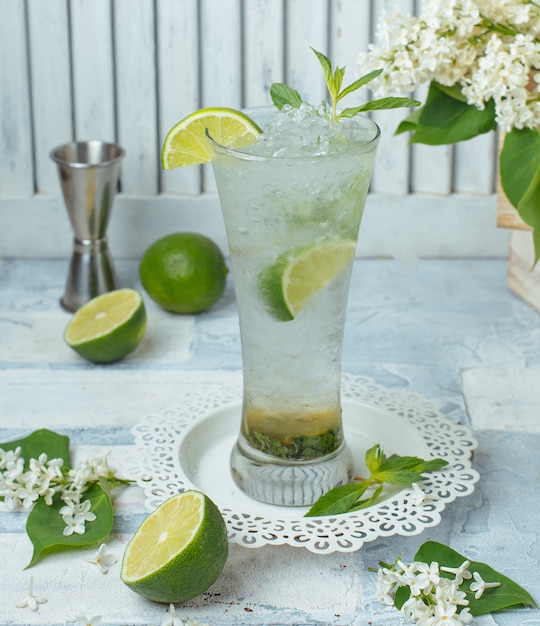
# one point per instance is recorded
(288, 285)
(186, 143)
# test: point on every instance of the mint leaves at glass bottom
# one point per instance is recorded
(393, 470)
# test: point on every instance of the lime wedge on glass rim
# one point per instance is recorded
(288, 285)
(186, 143)
(178, 551)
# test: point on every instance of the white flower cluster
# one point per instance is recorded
(44, 478)
(491, 48)
(21, 489)
(434, 600)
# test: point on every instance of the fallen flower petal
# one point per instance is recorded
(30, 600)
(103, 559)
(480, 585)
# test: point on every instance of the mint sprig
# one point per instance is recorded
(282, 94)
(392, 470)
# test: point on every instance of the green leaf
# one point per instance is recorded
(518, 163)
(410, 122)
(402, 595)
(446, 120)
(398, 477)
(282, 94)
(55, 446)
(454, 91)
(45, 526)
(337, 81)
(337, 500)
(327, 68)
(363, 504)
(380, 104)
(529, 205)
(363, 80)
(536, 243)
(374, 458)
(412, 463)
(508, 595)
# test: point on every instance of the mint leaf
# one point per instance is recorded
(412, 463)
(327, 69)
(383, 103)
(282, 95)
(394, 470)
(45, 526)
(374, 458)
(338, 500)
(363, 504)
(363, 80)
(508, 595)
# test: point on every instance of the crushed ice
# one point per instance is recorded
(308, 131)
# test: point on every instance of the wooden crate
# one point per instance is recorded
(522, 279)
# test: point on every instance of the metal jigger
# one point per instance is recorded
(88, 173)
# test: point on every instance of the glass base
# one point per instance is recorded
(288, 483)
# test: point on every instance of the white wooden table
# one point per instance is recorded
(447, 329)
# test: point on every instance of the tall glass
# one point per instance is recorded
(280, 212)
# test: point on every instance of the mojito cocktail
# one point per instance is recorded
(292, 204)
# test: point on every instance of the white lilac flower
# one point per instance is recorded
(27, 495)
(385, 585)
(172, 618)
(427, 576)
(460, 42)
(445, 615)
(103, 559)
(448, 591)
(480, 585)
(30, 600)
(418, 496)
(74, 524)
(460, 573)
(92, 621)
(8, 457)
(415, 609)
(465, 616)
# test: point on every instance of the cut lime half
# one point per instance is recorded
(108, 327)
(179, 550)
(187, 143)
(289, 284)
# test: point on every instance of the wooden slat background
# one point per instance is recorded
(127, 70)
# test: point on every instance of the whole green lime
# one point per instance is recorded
(184, 272)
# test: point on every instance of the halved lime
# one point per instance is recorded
(288, 284)
(187, 144)
(108, 327)
(179, 550)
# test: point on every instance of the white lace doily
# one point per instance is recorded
(188, 447)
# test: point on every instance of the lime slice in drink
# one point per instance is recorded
(287, 285)
(108, 327)
(179, 550)
(187, 144)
